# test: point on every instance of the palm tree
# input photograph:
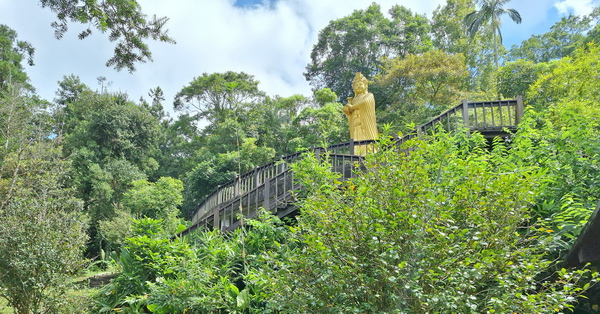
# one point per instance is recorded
(489, 13)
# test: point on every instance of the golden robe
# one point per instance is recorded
(360, 111)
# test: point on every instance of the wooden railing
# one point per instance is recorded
(251, 184)
(483, 116)
(270, 186)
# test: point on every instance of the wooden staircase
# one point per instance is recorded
(272, 186)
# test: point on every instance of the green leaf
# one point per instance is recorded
(243, 299)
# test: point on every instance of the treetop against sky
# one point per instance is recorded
(270, 39)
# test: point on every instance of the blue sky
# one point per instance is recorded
(252, 3)
(271, 42)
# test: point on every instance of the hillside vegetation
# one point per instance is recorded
(94, 180)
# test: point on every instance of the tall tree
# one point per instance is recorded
(489, 13)
(123, 20)
(448, 34)
(447, 26)
(271, 121)
(594, 34)
(569, 79)
(43, 227)
(516, 77)
(180, 140)
(421, 86)
(356, 43)
(111, 141)
(320, 124)
(12, 53)
(216, 96)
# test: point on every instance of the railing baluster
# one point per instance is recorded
(267, 194)
(484, 114)
(508, 113)
(501, 118)
(216, 217)
(256, 200)
(492, 110)
(477, 115)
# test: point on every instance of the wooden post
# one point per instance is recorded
(236, 186)
(519, 110)
(219, 198)
(351, 146)
(465, 113)
(267, 194)
(256, 178)
(216, 218)
(280, 166)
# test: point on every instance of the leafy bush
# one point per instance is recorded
(42, 234)
(444, 228)
(218, 273)
(146, 258)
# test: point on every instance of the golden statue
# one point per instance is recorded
(360, 111)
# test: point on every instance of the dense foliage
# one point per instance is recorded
(358, 42)
(12, 53)
(42, 230)
(450, 227)
(445, 224)
(445, 228)
(421, 86)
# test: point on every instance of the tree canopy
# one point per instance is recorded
(421, 86)
(216, 96)
(489, 13)
(43, 224)
(12, 53)
(356, 43)
(444, 223)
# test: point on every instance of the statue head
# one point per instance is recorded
(360, 83)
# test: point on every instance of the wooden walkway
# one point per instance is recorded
(271, 186)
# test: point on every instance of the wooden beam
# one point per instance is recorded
(587, 246)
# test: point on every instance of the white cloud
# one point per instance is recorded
(273, 44)
(576, 7)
